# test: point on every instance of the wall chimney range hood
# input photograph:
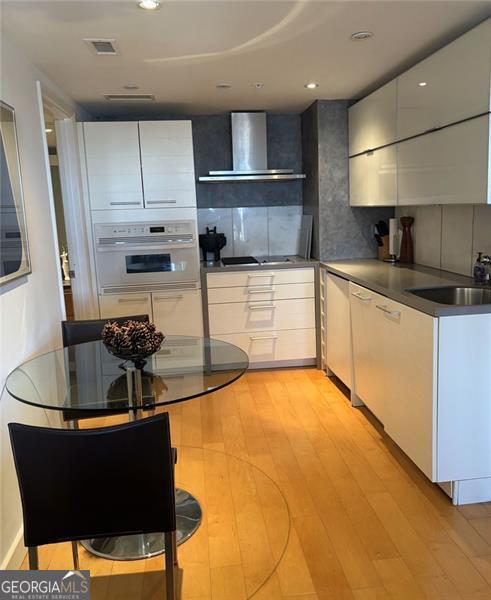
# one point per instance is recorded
(250, 153)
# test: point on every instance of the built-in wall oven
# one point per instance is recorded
(146, 256)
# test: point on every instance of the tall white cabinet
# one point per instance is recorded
(112, 153)
(167, 163)
(146, 164)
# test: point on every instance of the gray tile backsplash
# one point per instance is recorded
(256, 231)
(449, 237)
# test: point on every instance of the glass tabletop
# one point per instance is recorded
(86, 377)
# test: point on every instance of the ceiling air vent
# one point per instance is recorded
(129, 97)
(99, 46)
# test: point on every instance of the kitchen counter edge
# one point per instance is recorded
(212, 267)
(430, 277)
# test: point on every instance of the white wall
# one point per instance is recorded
(31, 307)
(449, 237)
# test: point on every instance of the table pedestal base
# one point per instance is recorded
(135, 547)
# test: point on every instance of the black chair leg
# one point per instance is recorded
(33, 558)
(76, 563)
(171, 566)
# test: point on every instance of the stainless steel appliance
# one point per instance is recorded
(133, 257)
(250, 153)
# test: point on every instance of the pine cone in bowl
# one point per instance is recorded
(133, 340)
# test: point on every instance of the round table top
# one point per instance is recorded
(85, 377)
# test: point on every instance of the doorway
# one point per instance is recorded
(69, 205)
(54, 167)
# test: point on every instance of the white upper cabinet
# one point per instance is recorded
(457, 85)
(167, 163)
(113, 165)
(373, 178)
(372, 121)
(448, 166)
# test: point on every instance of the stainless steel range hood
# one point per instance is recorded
(250, 153)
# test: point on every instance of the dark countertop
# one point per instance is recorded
(393, 281)
(294, 262)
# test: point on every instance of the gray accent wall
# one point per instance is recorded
(340, 231)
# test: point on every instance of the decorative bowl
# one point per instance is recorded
(132, 341)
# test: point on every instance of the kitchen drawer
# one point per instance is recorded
(178, 312)
(260, 293)
(239, 317)
(298, 344)
(259, 277)
(122, 305)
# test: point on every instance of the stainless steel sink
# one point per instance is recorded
(455, 295)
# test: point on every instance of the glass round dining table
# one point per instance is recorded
(85, 380)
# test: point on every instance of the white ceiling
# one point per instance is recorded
(181, 51)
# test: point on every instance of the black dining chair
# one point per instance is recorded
(80, 332)
(90, 330)
(90, 483)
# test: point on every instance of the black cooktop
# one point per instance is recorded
(239, 260)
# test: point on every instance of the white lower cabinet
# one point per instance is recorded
(178, 312)
(428, 381)
(122, 305)
(338, 328)
(409, 364)
(368, 343)
(271, 346)
(395, 371)
(269, 314)
(235, 317)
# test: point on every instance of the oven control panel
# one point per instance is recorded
(147, 230)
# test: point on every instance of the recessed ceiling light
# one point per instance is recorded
(149, 4)
(311, 86)
(422, 83)
(131, 86)
(259, 86)
(224, 86)
(361, 35)
(47, 130)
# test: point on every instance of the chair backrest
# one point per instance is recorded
(88, 483)
(90, 330)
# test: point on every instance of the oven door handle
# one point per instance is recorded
(144, 249)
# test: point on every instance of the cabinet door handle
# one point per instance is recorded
(360, 297)
(132, 300)
(265, 291)
(178, 297)
(137, 202)
(255, 338)
(161, 202)
(262, 306)
(252, 275)
(392, 313)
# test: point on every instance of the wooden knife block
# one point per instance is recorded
(383, 251)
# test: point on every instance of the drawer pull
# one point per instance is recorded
(255, 338)
(161, 202)
(262, 306)
(252, 275)
(265, 291)
(132, 300)
(360, 297)
(178, 297)
(393, 313)
(137, 202)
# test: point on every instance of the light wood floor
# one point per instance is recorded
(365, 523)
